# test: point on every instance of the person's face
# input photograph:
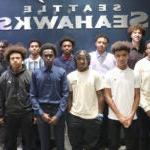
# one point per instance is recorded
(2, 49)
(101, 44)
(82, 63)
(67, 47)
(121, 58)
(148, 50)
(16, 61)
(48, 57)
(136, 36)
(34, 48)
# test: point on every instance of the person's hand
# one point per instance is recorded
(53, 120)
(122, 119)
(46, 117)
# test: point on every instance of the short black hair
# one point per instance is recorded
(15, 49)
(35, 40)
(67, 39)
(121, 45)
(102, 36)
(48, 46)
(87, 55)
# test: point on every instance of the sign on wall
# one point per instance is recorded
(50, 20)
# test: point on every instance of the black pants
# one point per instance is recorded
(131, 135)
(45, 129)
(144, 128)
(13, 125)
(83, 133)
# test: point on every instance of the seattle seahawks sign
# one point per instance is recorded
(50, 20)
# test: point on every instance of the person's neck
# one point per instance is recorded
(122, 67)
(67, 55)
(34, 57)
(100, 52)
(16, 70)
(136, 44)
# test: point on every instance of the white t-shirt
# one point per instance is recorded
(102, 63)
(142, 68)
(122, 84)
(84, 86)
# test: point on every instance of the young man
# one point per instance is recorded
(3, 66)
(85, 103)
(34, 61)
(49, 94)
(136, 33)
(66, 60)
(3, 63)
(142, 68)
(122, 95)
(15, 105)
(101, 60)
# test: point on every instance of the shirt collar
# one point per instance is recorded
(100, 55)
(66, 58)
(34, 60)
(45, 68)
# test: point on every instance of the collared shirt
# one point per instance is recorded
(67, 64)
(34, 64)
(122, 84)
(142, 68)
(102, 63)
(49, 86)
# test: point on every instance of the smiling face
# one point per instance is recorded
(136, 36)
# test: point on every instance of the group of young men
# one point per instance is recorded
(73, 89)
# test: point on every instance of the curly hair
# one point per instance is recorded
(136, 27)
(121, 45)
(15, 49)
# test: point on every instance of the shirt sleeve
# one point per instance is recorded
(65, 93)
(34, 96)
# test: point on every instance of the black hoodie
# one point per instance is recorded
(14, 93)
